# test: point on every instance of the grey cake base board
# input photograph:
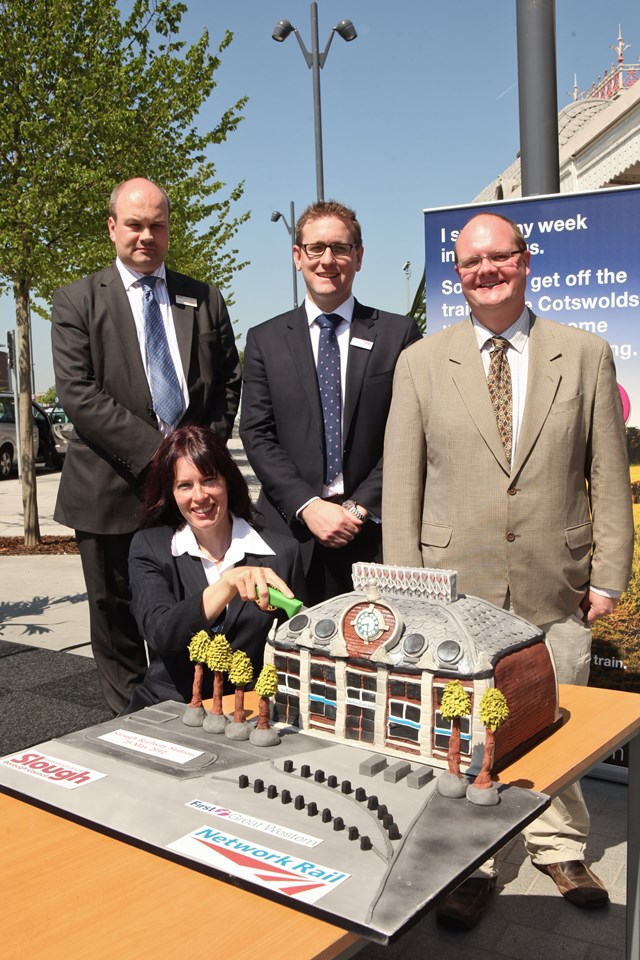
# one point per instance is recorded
(197, 814)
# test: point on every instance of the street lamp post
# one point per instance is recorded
(275, 216)
(315, 61)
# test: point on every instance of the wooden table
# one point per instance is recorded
(67, 891)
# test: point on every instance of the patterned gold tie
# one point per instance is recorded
(499, 382)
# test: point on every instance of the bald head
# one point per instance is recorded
(139, 224)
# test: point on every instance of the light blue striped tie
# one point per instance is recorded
(168, 402)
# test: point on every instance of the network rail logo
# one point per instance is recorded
(303, 880)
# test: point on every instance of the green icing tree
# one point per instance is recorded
(266, 687)
(219, 659)
(493, 712)
(198, 654)
(94, 92)
(456, 703)
(240, 673)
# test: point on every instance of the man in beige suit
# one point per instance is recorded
(532, 507)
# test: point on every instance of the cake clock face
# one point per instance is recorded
(369, 624)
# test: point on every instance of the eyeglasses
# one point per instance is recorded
(497, 258)
(338, 250)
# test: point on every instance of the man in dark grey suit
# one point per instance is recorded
(105, 369)
(317, 453)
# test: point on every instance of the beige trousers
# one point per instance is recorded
(560, 832)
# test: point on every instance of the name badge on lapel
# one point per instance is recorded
(363, 344)
(186, 301)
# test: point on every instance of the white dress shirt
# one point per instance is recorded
(134, 290)
(343, 333)
(244, 539)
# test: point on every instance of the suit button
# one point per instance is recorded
(511, 537)
(512, 491)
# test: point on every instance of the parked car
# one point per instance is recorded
(44, 441)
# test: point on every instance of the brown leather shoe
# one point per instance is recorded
(576, 882)
(463, 907)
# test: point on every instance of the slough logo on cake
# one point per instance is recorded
(301, 879)
(60, 772)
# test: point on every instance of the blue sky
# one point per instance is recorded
(421, 110)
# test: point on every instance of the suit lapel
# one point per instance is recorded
(543, 379)
(363, 327)
(191, 573)
(469, 378)
(298, 342)
(119, 311)
(183, 318)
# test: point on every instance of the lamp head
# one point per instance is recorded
(275, 216)
(282, 30)
(345, 29)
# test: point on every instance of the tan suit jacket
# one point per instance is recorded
(559, 520)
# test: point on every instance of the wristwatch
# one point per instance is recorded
(352, 507)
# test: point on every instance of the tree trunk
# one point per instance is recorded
(263, 714)
(196, 692)
(238, 709)
(218, 687)
(27, 456)
(453, 756)
(483, 780)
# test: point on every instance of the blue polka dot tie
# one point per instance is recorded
(168, 402)
(330, 393)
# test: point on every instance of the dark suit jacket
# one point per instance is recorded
(167, 594)
(281, 421)
(102, 386)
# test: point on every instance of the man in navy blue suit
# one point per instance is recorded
(283, 426)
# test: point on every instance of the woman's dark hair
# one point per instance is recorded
(210, 455)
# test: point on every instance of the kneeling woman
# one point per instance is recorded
(197, 560)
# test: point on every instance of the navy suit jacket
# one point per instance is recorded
(103, 388)
(167, 593)
(281, 422)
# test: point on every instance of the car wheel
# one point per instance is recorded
(6, 462)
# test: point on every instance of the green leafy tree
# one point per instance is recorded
(90, 97)
(266, 687)
(219, 658)
(49, 396)
(493, 712)
(456, 703)
(198, 653)
(419, 306)
(240, 674)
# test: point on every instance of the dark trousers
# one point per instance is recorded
(117, 646)
(329, 572)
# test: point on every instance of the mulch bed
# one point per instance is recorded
(14, 546)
